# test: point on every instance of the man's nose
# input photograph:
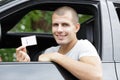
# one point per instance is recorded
(60, 29)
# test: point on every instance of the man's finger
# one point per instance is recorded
(21, 48)
(24, 57)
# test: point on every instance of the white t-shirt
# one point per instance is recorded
(81, 48)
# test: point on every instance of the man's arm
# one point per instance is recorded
(88, 68)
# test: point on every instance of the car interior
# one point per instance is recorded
(90, 29)
(118, 12)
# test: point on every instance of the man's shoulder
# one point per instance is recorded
(52, 49)
(84, 41)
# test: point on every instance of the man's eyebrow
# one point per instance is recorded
(65, 23)
(54, 23)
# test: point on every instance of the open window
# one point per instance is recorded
(18, 24)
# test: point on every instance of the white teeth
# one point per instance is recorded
(60, 36)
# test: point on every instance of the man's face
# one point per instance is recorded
(63, 29)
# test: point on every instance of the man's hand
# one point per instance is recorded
(21, 54)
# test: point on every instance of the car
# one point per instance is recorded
(102, 29)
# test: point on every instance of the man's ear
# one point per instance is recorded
(77, 27)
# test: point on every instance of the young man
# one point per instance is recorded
(79, 57)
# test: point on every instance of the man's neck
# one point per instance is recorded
(67, 47)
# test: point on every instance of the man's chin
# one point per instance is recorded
(61, 42)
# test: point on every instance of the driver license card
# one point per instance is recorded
(29, 40)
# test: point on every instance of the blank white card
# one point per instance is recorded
(29, 41)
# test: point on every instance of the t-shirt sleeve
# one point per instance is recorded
(48, 50)
(87, 49)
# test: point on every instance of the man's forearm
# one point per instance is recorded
(79, 69)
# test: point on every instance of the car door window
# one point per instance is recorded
(35, 21)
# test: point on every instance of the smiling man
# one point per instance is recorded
(79, 57)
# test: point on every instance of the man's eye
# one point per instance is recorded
(54, 25)
(65, 24)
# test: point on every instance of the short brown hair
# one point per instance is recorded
(62, 10)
